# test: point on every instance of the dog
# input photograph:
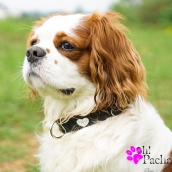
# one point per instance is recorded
(97, 114)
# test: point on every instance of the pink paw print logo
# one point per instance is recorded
(134, 154)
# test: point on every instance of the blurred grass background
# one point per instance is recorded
(20, 117)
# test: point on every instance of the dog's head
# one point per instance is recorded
(70, 56)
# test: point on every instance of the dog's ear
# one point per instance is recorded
(116, 68)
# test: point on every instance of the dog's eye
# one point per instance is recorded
(66, 46)
(34, 42)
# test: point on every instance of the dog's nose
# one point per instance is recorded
(34, 53)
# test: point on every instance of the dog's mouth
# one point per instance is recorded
(68, 91)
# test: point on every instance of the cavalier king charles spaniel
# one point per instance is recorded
(97, 114)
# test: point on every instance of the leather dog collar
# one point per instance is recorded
(78, 122)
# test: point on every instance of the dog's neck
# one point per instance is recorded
(66, 108)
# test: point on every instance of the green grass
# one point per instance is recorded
(19, 116)
(154, 44)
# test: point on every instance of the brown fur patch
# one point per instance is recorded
(33, 93)
(78, 55)
(55, 61)
(48, 50)
(29, 39)
(111, 61)
(168, 167)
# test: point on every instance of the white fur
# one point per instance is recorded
(53, 77)
(100, 147)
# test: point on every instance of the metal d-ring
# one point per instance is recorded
(51, 131)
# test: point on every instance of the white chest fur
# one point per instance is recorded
(102, 147)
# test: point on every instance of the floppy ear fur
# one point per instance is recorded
(116, 68)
